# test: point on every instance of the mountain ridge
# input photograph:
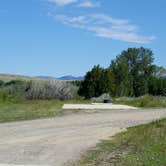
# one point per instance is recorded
(8, 77)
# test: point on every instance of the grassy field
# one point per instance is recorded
(32, 109)
(9, 77)
(143, 145)
(16, 110)
(26, 110)
(143, 102)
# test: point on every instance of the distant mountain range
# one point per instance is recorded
(9, 77)
(70, 77)
(46, 77)
(66, 78)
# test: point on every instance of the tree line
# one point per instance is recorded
(132, 74)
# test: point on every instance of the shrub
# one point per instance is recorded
(51, 90)
(1, 83)
(35, 89)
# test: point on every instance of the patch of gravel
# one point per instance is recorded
(59, 140)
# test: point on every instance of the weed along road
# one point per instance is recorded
(62, 139)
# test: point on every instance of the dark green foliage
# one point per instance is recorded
(1, 83)
(157, 83)
(96, 82)
(17, 86)
(132, 73)
(133, 69)
(14, 90)
(90, 86)
(157, 86)
(123, 79)
(108, 82)
(76, 83)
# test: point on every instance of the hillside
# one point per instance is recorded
(65, 78)
(9, 77)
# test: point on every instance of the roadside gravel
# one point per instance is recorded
(62, 139)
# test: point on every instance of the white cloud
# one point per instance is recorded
(79, 3)
(62, 2)
(105, 26)
(89, 4)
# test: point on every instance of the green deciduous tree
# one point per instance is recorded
(157, 83)
(107, 82)
(132, 73)
(1, 83)
(133, 69)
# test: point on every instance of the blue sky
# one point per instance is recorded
(62, 37)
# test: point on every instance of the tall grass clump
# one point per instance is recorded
(146, 101)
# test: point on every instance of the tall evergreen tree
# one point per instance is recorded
(96, 82)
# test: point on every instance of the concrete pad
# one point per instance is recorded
(101, 106)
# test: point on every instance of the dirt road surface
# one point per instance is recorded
(56, 141)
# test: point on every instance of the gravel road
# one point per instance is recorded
(62, 139)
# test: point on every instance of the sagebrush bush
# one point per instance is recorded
(35, 89)
(51, 90)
